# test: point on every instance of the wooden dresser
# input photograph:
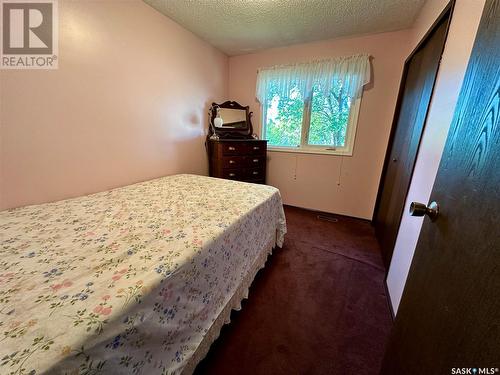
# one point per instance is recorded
(238, 159)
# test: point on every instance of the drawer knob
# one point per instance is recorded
(231, 162)
(232, 174)
(255, 172)
(231, 148)
(256, 147)
(255, 160)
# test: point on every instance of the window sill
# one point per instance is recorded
(319, 151)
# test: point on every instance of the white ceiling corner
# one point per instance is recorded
(244, 26)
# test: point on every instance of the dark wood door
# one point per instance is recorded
(449, 316)
(415, 95)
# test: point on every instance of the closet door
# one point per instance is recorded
(449, 316)
(413, 103)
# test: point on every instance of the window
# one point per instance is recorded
(283, 119)
(321, 119)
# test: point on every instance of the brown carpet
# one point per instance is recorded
(318, 307)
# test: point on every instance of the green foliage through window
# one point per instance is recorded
(284, 118)
(328, 118)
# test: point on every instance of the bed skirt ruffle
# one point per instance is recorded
(233, 304)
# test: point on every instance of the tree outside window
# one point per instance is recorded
(326, 122)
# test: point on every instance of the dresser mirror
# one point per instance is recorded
(233, 118)
(230, 120)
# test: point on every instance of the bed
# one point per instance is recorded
(136, 280)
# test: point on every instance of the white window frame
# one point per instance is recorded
(346, 150)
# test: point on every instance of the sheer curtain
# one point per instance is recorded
(351, 72)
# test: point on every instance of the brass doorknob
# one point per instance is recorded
(420, 209)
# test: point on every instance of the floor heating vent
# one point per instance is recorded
(331, 219)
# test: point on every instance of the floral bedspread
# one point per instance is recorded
(128, 280)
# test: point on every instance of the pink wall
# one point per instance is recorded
(339, 184)
(128, 103)
(456, 55)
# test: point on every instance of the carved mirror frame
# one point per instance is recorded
(230, 133)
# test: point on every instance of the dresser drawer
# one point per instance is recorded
(256, 161)
(255, 173)
(236, 148)
(256, 149)
(238, 159)
(234, 174)
(234, 162)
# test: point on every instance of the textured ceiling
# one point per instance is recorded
(243, 26)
